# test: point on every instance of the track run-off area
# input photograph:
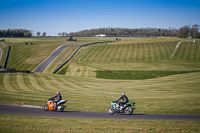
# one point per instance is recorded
(38, 111)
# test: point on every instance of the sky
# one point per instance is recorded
(54, 16)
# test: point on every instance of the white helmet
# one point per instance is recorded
(122, 94)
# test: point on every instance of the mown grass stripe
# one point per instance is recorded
(48, 82)
(138, 52)
(68, 83)
(190, 52)
(193, 54)
(135, 53)
(21, 83)
(91, 51)
(98, 54)
(118, 54)
(167, 50)
(103, 56)
(7, 82)
(58, 83)
(183, 50)
(129, 53)
(150, 53)
(132, 52)
(124, 53)
(34, 82)
(89, 72)
(41, 82)
(115, 56)
(14, 82)
(145, 53)
(15, 57)
(196, 54)
(143, 58)
(78, 83)
(154, 56)
(111, 53)
(73, 71)
(27, 82)
(161, 51)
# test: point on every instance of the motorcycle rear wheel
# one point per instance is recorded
(60, 108)
(110, 111)
(128, 110)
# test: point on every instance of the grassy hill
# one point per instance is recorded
(175, 78)
(147, 56)
(176, 92)
(28, 57)
(173, 94)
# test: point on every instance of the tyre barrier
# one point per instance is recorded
(13, 71)
(75, 54)
(6, 59)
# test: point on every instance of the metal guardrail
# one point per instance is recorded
(6, 59)
(75, 54)
(13, 71)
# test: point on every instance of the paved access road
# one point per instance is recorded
(32, 111)
(42, 66)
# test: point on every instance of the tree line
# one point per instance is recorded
(16, 33)
(183, 32)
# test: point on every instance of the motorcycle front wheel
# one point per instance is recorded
(110, 111)
(46, 107)
(128, 110)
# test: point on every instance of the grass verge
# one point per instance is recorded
(32, 124)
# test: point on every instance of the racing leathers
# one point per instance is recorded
(58, 98)
(124, 100)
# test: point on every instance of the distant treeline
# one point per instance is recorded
(183, 32)
(15, 33)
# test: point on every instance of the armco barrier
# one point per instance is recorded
(13, 71)
(6, 59)
(75, 54)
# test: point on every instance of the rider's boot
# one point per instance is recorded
(121, 107)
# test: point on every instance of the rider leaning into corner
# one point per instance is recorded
(124, 99)
(58, 98)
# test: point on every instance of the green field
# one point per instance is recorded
(32, 124)
(173, 85)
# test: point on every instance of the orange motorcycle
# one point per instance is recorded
(51, 106)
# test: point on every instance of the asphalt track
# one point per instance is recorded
(42, 66)
(38, 111)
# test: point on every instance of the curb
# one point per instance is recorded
(19, 105)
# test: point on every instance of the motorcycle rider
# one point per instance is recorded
(58, 98)
(124, 100)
